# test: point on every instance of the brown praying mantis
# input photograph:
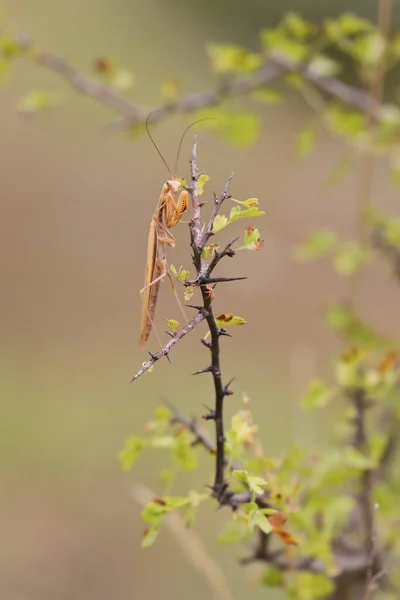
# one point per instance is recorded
(171, 205)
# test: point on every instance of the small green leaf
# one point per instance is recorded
(189, 291)
(252, 240)
(277, 40)
(229, 319)
(162, 413)
(235, 210)
(317, 396)
(317, 245)
(134, 446)
(166, 476)
(183, 452)
(237, 213)
(261, 520)
(220, 222)
(35, 101)
(154, 512)
(255, 484)
(345, 122)
(172, 324)
(357, 460)
(173, 271)
(227, 58)
(377, 445)
(298, 26)
(305, 141)
(273, 577)
(349, 258)
(149, 537)
(163, 441)
(309, 586)
(339, 171)
(201, 182)
(323, 66)
(267, 95)
(250, 202)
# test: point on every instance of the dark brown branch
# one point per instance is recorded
(200, 437)
(198, 241)
(166, 349)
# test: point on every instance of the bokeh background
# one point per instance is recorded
(75, 209)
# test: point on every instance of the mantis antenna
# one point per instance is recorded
(180, 143)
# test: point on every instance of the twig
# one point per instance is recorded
(166, 349)
(192, 547)
(199, 436)
(132, 114)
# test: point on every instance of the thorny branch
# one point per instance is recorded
(175, 338)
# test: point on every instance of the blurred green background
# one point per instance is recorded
(76, 205)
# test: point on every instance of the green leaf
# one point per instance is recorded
(227, 58)
(323, 66)
(154, 512)
(377, 446)
(261, 520)
(233, 533)
(220, 222)
(239, 127)
(368, 49)
(298, 26)
(341, 168)
(9, 47)
(254, 483)
(189, 291)
(149, 537)
(172, 324)
(184, 453)
(252, 239)
(35, 101)
(310, 586)
(357, 460)
(345, 25)
(278, 40)
(201, 182)
(229, 319)
(134, 446)
(162, 413)
(166, 476)
(267, 95)
(349, 258)
(250, 202)
(317, 396)
(347, 123)
(317, 245)
(237, 213)
(164, 441)
(273, 577)
(305, 141)
(343, 320)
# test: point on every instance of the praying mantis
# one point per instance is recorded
(173, 202)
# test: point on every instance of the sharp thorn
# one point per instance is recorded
(208, 369)
(206, 343)
(153, 356)
(223, 332)
(199, 308)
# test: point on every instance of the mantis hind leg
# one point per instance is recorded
(146, 287)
